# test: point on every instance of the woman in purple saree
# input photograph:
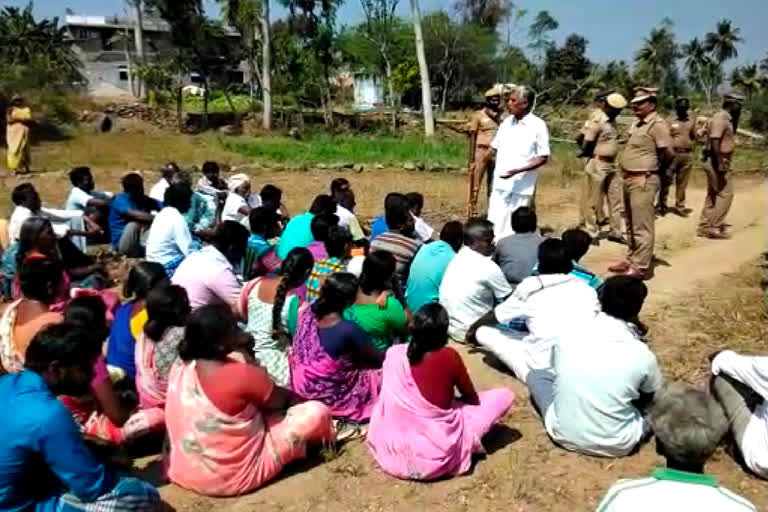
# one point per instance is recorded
(332, 360)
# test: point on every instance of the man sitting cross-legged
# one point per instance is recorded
(44, 464)
(602, 375)
(547, 305)
(688, 425)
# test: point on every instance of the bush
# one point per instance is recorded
(758, 108)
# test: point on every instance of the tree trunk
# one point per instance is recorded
(139, 37)
(205, 102)
(266, 67)
(129, 64)
(392, 102)
(179, 108)
(426, 92)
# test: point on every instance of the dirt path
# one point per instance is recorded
(524, 471)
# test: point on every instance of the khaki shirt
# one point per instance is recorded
(721, 127)
(484, 125)
(597, 116)
(606, 135)
(683, 134)
(646, 137)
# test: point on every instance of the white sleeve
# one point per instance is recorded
(182, 235)
(749, 370)
(423, 229)
(512, 309)
(497, 138)
(653, 379)
(542, 140)
(498, 283)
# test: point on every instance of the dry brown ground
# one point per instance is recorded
(707, 296)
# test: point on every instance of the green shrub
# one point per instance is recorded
(758, 108)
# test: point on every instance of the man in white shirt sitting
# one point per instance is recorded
(473, 283)
(688, 424)
(83, 198)
(170, 240)
(741, 387)
(342, 193)
(521, 146)
(537, 313)
(603, 375)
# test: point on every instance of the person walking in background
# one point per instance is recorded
(482, 129)
(18, 120)
(520, 147)
(683, 131)
(648, 154)
(601, 145)
(719, 179)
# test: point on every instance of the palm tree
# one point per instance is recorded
(722, 42)
(426, 88)
(138, 31)
(657, 54)
(748, 79)
(697, 64)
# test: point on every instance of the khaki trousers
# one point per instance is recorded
(678, 173)
(586, 194)
(640, 190)
(604, 182)
(719, 196)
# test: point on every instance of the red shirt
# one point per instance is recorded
(438, 373)
(231, 386)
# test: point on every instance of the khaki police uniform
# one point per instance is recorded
(719, 184)
(683, 133)
(639, 168)
(596, 118)
(604, 179)
(485, 125)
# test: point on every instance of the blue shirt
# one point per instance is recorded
(426, 274)
(379, 226)
(42, 454)
(122, 346)
(117, 219)
(297, 233)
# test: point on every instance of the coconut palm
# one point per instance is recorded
(723, 41)
(656, 57)
(747, 79)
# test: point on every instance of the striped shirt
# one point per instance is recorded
(669, 489)
(404, 249)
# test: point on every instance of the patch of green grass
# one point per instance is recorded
(387, 150)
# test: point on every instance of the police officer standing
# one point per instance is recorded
(683, 131)
(648, 154)
(482, 129)
(601, 145)
(596, 117)
(719, 180)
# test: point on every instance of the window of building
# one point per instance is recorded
(123, 72)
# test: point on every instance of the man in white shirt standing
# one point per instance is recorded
(741, 387)
(688, 424)
(473, 283)
(603, 376)
(521, 331)
(521, 146)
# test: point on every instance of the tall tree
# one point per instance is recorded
(748, 80)
(539, 33)
(486, 13)
(138, 33)
(723, 41)
(656, 57)
(700, 67)
(380, 28)
(426, 88)
(266, 66)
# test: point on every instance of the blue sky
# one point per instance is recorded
(614, 29)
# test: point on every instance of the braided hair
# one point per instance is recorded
(294, 271)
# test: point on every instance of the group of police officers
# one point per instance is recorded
(633, 188)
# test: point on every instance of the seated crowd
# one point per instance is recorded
(245, 337)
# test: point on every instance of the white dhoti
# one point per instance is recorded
(519, 351)
(500, 208)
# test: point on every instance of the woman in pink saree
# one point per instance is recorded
(418, 430)
(332, 360)
(230, 428)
